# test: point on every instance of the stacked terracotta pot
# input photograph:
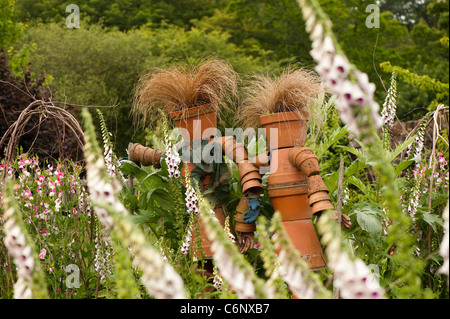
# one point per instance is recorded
(197, 123)
(251, 181)
(289, 185)
(145, 155)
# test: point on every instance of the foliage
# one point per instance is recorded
(81, 69)
(10, 30)
(57, 215)
(39, 130)
(394, 194)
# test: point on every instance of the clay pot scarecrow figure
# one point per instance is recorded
(282, 106)
(193, 98)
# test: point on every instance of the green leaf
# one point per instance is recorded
(431, 219)
(131, 168)
(363, 187)
(368, 217)
(352, 150)
(356, 166)
(400, 148)
(402, 165)
(330, 140)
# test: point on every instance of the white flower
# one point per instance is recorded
(342, 65)
(328, 48)
(444, 249)
(317, 33)
(339, 75)
(191, 199)
(186, 243)
(353, 278)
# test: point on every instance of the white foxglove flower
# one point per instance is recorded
(341, 65)
(444, 249)
(191, 199)
(186, 243)
(158, 277)
(317, 32)
(353, 278)
(173, 160)
(328, 48)
(390, 104)
(360, 94)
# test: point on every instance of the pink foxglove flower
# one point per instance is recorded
(43, 253)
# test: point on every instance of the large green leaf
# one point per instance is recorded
(369, 218)
(130, 168)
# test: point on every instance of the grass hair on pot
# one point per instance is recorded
(295, 90)
(184, 86)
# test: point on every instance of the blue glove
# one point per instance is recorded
(253, 210)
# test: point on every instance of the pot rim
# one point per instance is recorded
(192, 112)
(283, 117)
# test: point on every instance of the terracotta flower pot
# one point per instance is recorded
(316, 184)
(318, 196)
(305, 240)
(305, 160)
(291, 201)
(250, 178)
(194, 121)
(135, 152)
(145, 155)
(288, 186)
(245, 168)
(241, 225)
(321, 206)
(261, 160)
(281, 169)
(289, 129)
(296, 151)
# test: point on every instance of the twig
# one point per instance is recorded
(88, 106)
(373, 61)
(45, 110)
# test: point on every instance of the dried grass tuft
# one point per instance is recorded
(294, 90)
(184, 86)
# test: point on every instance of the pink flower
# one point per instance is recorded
(45, 233)
(51, 268)
(43, 253)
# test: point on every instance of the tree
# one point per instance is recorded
(10, 30)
